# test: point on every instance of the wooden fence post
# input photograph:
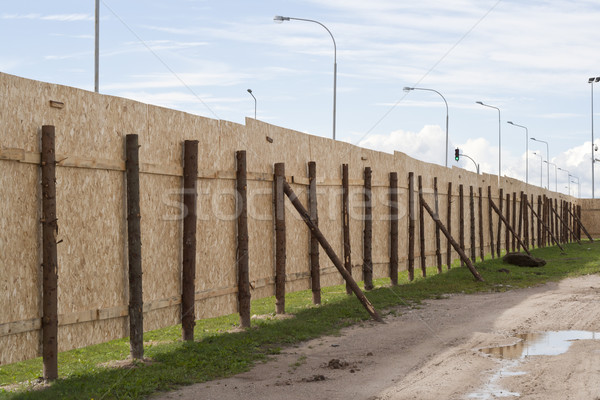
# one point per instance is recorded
(423, 257)
(533, 237)
(524, 200)
(507, 224)
(242, 240)
(136, 304)
(519, 229)
(394, 228)
(188, 276)
(438, 250)
(539, 221)
(49, 255)
(481, 244)
(514, 220)
(315, 273)
(411, 226)
(546, 228)
(346, 224)
(472, 218)
(461, 221)
(491, 221)
(280, 237)
(499, 244)
(507, 232)
(368, 232)
(449, 227)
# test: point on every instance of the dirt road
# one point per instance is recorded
(432, 352)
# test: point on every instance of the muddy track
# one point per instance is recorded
(431, 352)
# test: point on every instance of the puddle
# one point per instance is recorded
(540, 344)
(531, 344)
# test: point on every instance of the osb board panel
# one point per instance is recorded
(161, 237)
(380, 226)
(19, 347)
(356, 204)
(92, 332)
(167, 316)
(90, 211)
(216, 306)
(297, 237)
(329, 200)
(216, 235)
(20, 271)
(260, 233)
(590, 216)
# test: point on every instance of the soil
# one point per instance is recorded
(432, 352)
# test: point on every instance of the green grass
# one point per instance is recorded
(217, 353)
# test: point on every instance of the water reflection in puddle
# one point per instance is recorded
(531, 344)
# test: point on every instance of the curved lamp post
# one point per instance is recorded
(568, 178)
(499, 139)
(547, 157)
(280, 19)
(526, 150)
(591, 81)
(555, 178)
(541, 159)
(408, 89)
(578, 185)
(250, 91)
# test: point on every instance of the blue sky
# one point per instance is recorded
(532, 59)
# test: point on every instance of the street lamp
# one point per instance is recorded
(408, 89)
(591, 81)
(499, 139)
(578, 185)
(568, 179)
(541, 159)
(555, 178)
(250, 91)
(547, 157)
(526, 150)
(280, 19)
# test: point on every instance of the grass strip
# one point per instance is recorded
(88, 373)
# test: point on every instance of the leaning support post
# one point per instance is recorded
(472, 224)
(188, 275)
(280, 239)
(411, 226)
(453, 242)
(505, 221)
(368, 232)
(461, 220)
(578, 221)
(330, 252)
(346, 224)
(136, 304)
(449, 225)
(565, 225)
(49, 255)
(242, 240)
(422, 257)
(315, 273)
(394, 228)
(491, 222)
(438, 250)
(481, 245)
(544, 225)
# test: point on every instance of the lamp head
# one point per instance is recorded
(479, 102)
(250, 91)
(591, 79)
(533, 138)
(279, 19)
(597, 79)
(408, 89)
(509, 122)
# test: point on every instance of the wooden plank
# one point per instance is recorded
(368, 231)
(422, 255)
(346, 225)
(449, 226)
(280, 236)
(491, 222)
(438, 250)
(411, 226)
(313, 250)
(394, 228)
(242, 255)
(481, 241)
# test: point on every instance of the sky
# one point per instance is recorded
(530, 59)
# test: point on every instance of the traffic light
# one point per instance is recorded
(456, 154)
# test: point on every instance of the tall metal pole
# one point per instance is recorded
(555, 178)
(408, 89)
(97, 49)
(541, 169)
(250, 91)
(499, 139)
(591, 82)
(547, 158)
(526, 150)
(568, 178)
(279, 18)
